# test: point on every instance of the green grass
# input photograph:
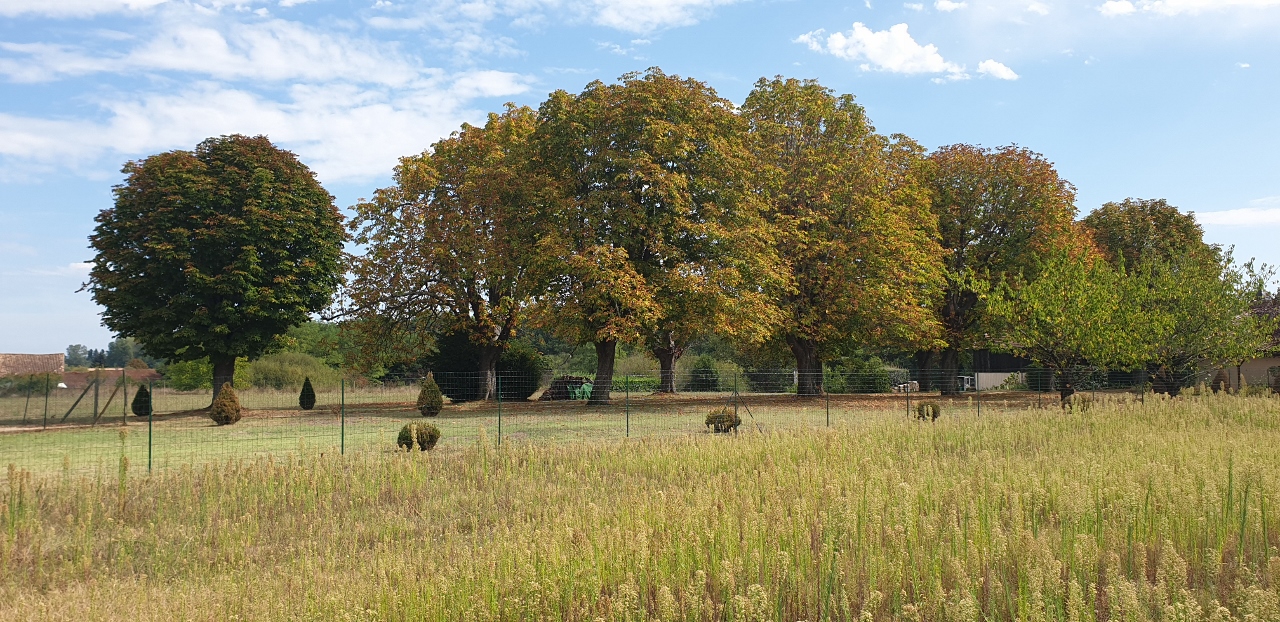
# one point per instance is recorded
(1162, 511)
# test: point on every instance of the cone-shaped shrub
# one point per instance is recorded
(424, 434)
(141, 405)
(307, 399)
(928, 411)
(225, 409)
(430, 399)
(1221, 381)
(723, 420)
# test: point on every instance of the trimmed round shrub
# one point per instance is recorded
(430, 400)
(141, 404)
(723, 420)
(307, 398)
(226, 408)
(1078, 403)
(928, 411)
(424, 435)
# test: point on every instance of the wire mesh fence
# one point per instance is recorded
(111, 420)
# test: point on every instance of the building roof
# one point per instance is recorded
(24, 364)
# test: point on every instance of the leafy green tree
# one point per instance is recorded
(77, 356)
(653, 235)
(998, 212)
(1077, 313)
(450, 246)
(1197, 303)
(852, 225)
(216, 252)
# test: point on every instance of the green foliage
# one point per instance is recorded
(215, 253)
(928, 411)
(322, 340)
(285, 370)
(197, 374)
(29, 384)
(1078, 313)
(858, 375)
(430, 399)
(141, 405)
(307, 397)
(226, 406)
(723, 420)
(636, 384)
(458, 361)
(424, 435)
(703, 375)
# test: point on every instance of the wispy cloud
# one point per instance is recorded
(1260, 212)
(948, 6)
(892, 50)
(72, 8)
(1178, 7)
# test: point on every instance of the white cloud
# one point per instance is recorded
(649, 15)
(1038, 8)
(1261, 212)
(948, 6)
(996, 69)
(1112, 8)
(1243, 65)
(72, 8)
(891, 50)
(274, 50)
(343, 131)
(1178, 7)
(914, 6)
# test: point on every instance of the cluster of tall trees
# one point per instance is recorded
(652, 212)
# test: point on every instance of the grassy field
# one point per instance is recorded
(1162, 511)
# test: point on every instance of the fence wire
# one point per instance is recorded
(103, 425)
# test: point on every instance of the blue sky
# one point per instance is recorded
(1174, 99)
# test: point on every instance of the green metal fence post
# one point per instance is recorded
(735, 392)
(907, 390)
(124, 393)
(498, 383)
(151, 413)
(977, 389)
(342, 410)
(627, 402)
(46, 401)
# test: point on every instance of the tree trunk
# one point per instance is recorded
(487, 388)
(224, 371)
(949, 369)
(606, 351)
(925, 361)
(808, 366)
(667, 354)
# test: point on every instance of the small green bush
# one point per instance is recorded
(928, 411)
(307, 398)
(226, 408)
(1077, 403)
(703, 376)
(430, 399)
(723, 420)
(424, 434)
(141, 405)
(286, 370)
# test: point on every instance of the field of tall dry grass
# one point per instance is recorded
(1162, 511)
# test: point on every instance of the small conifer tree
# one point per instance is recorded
(430, 399)
(226, 407)
(141, 405)
(307, 399)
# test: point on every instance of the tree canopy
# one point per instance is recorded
(450, 247)
(999, 212)
(215, 252)
(850, 215)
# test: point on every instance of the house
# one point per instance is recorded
(28, 364)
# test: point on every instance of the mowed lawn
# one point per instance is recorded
(1129, 511)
